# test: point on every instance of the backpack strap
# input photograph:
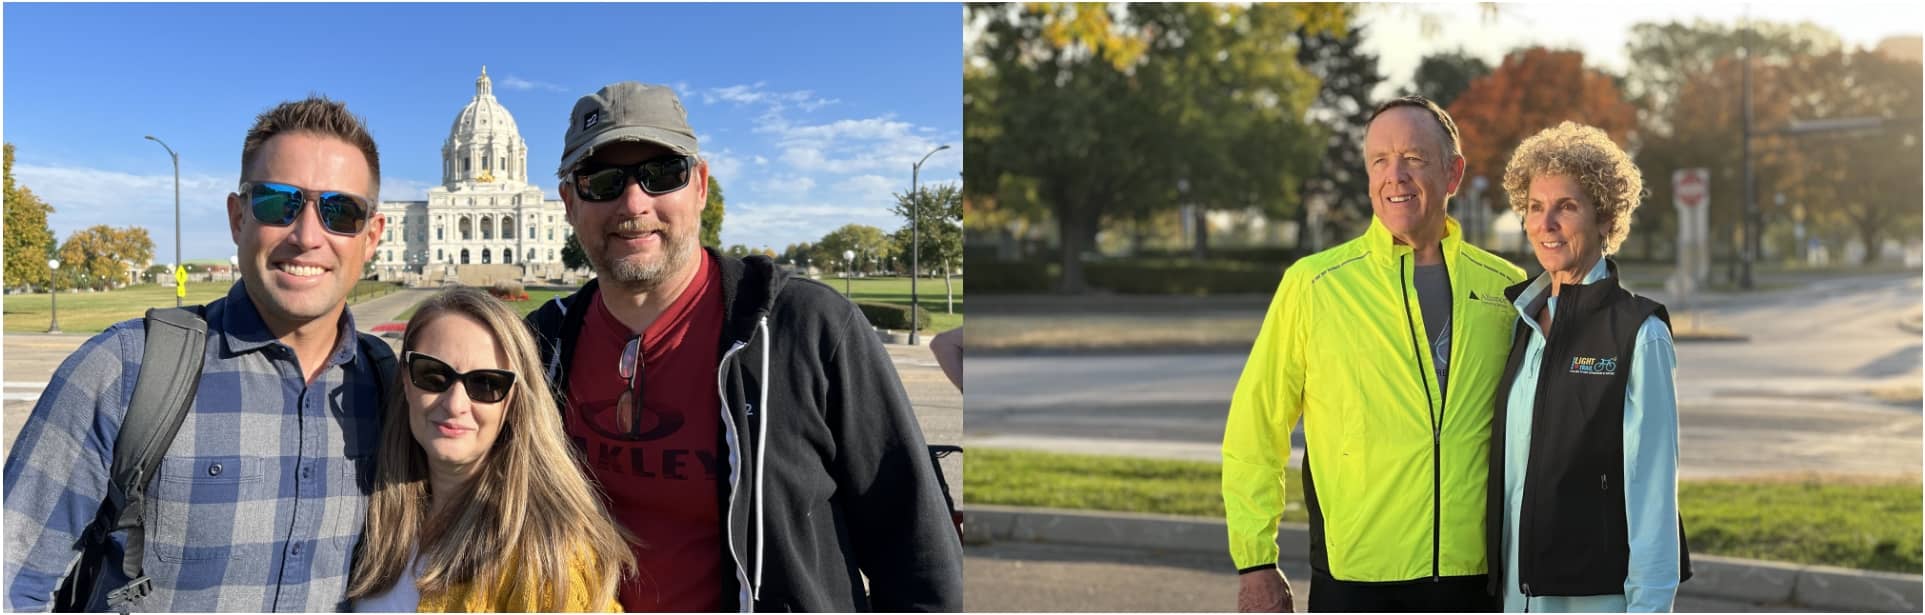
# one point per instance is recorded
(382, 354)
(176, 339)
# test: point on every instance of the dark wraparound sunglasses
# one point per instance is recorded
(435, 376)
(656, 176)
(274, 204)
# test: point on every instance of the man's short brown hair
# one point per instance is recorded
(317, 115)
(1451, 145)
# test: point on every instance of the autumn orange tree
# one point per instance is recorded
(1686, 80)
(1534, 89)
(1842, 185)
(1851, 184)
(100, 253)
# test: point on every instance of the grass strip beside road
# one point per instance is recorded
(536, 298)
(929, 293)
(884, 290)
(93, 312)
(1864, 523)
(1114, 331)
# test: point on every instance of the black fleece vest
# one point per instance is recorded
(1572, 535)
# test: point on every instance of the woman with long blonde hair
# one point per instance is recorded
(479, 503)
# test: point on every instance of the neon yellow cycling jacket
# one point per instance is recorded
(1397, 472)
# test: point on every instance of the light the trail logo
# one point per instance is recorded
(1594, 366)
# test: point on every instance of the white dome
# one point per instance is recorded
(484, 116)
(483, 145)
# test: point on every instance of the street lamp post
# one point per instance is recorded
(848, 261)
(53, 295)
(176, 158)
(915, 239)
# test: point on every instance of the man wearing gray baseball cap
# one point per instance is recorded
(747, 427)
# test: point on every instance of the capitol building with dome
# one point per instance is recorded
(485, 221)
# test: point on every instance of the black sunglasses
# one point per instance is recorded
(660, 175)
(434, 376)
(276, 204)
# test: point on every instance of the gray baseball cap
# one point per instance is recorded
(626, 111)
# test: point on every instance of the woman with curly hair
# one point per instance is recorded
(479, 502)
(1584, 441)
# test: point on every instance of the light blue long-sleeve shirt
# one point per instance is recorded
(1650, 467)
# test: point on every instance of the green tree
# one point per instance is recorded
(572, 256)
(795, 252)
(99, 254)
(29, 241)
(866, 241)
(712, 215)
(1343, 106)
(1442, 77)
(1105, 111)
(938, 216)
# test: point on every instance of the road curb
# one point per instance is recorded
(1754, 582)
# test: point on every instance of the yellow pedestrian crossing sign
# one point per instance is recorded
(180, 281)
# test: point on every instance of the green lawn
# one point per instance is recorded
(887, 290)
(536, 298)
(1129, 484)
(86, 312)
(896, 290)
(1854, 523)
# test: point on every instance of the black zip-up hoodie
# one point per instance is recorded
(829, 479)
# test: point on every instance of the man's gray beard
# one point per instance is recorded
(645, 277)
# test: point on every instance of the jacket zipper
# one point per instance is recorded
(1436, 433)
(735, 474)
(1528, 524)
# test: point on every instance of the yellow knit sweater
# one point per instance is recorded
(577, 597)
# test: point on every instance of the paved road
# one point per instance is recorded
(1801, 395)
(1039, 577)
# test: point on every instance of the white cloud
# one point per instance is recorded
(517, 83)
(738, 94)
(111, 194)
(760, 161)
(870, 189)
(404, 189)
(777, 224)
(756, 93)
(723, 164)
(791, 185)
(869, 145)
(84, 197)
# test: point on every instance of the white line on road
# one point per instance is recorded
(34, 396)
(25, 385)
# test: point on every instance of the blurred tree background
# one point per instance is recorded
(1201, 148)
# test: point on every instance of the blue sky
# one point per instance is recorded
(810, 116)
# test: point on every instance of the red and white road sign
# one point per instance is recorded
(1691, 187)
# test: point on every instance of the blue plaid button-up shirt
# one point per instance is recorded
(261, 497)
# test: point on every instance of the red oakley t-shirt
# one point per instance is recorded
(658, 460)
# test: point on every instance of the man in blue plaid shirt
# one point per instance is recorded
(260, 499)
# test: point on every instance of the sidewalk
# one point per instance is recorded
(386, 308)
(1724, 583)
